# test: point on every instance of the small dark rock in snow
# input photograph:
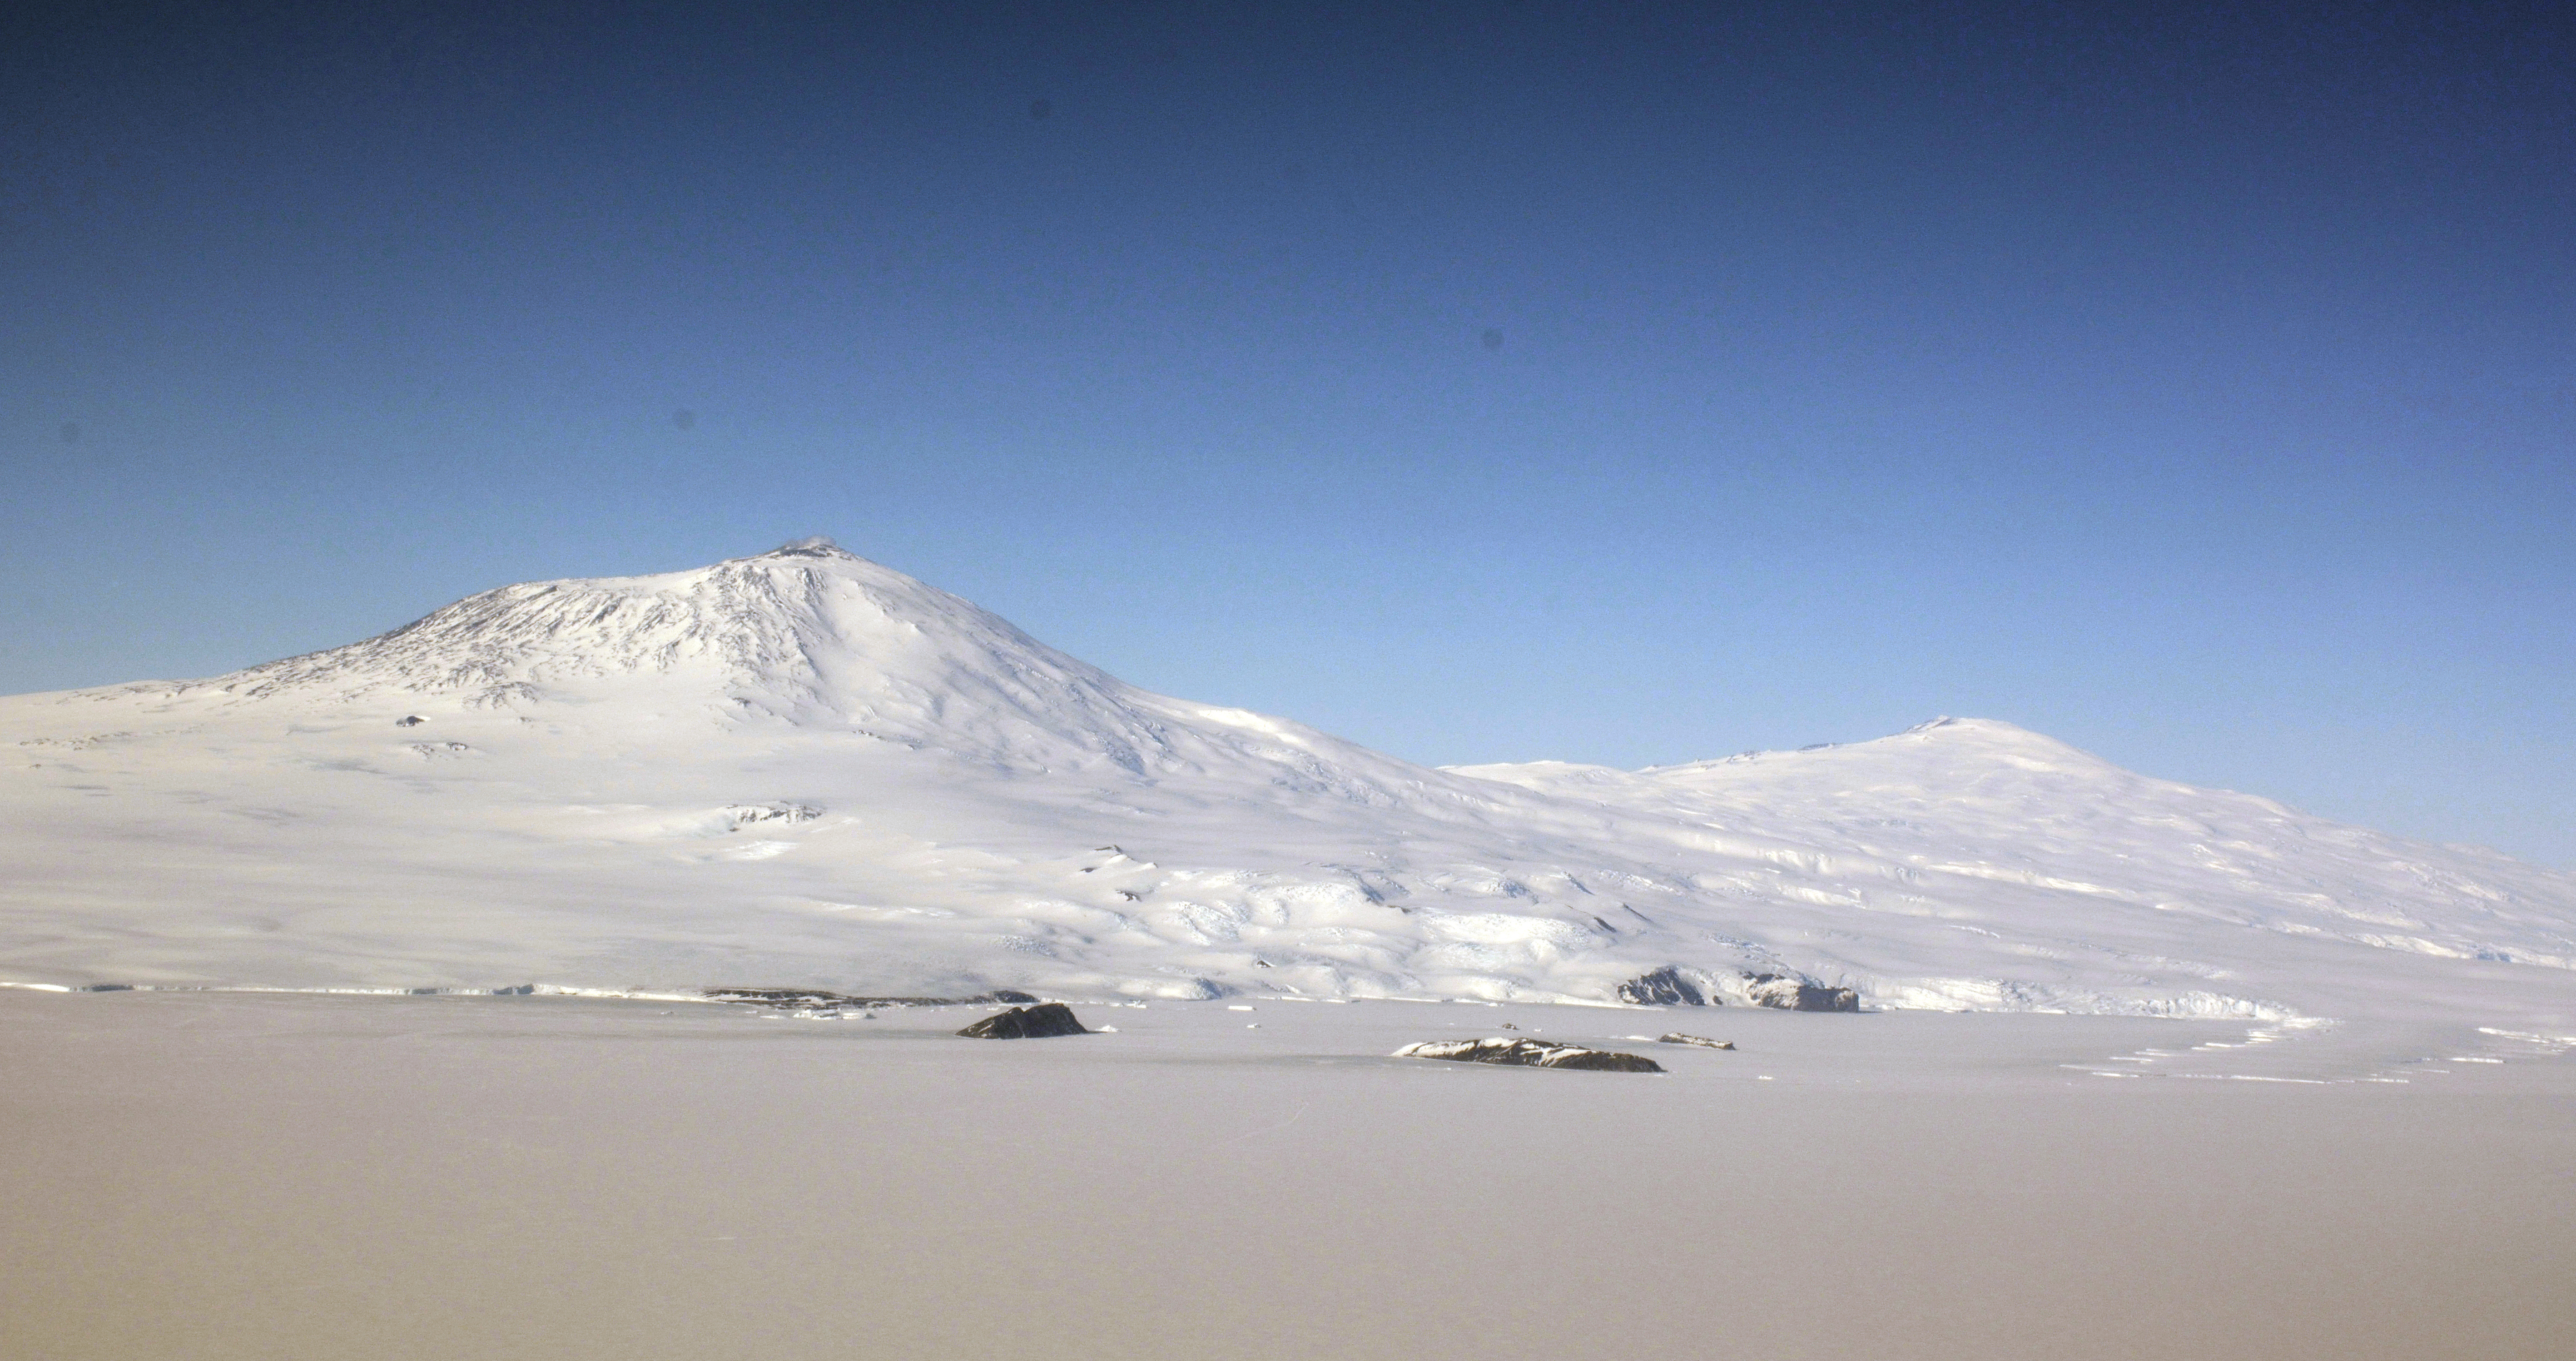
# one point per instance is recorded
(1529, 1054)
(1026, 1023)
(409, 721)
(1700, 1041)
(1795, 994)
(1665, 987)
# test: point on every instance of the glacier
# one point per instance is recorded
(805, 769)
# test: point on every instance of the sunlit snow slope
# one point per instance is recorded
(807, 769)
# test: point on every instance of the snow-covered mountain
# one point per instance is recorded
(806, 769)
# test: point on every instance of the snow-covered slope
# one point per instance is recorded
(804, 768)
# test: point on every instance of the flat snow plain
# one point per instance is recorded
(218, 1175)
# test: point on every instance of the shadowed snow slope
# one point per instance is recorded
(806, 769)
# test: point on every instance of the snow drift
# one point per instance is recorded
(804, 769)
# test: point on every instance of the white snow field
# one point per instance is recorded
(2314, 1100)
(806, 769)
(224, 1175)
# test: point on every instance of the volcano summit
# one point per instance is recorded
(804, 769)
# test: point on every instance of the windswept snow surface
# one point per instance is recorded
(806, 769)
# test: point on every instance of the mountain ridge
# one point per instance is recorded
(549, 779)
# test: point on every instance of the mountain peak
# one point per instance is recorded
(1986, 731)
(809, 634)
(816, 547)
(808, 627)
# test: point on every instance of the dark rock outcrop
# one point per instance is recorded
(1697, 1041)
(1026, 1023)
(1797, 994)
(1529, 1054)
(1665, 987)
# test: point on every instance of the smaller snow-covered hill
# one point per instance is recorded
(2000, 832)
(805, 768)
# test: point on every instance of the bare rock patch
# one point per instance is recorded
(1043, 1021)
(1512, 1053)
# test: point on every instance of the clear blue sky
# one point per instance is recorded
(1495, 381)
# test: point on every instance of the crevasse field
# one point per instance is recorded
(2139, 1069)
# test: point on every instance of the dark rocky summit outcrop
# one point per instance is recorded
(1697, 1041)
(1529, 1054)
(1026, 1023)
(1797, 994)
(1670, 987)
(1665, 987)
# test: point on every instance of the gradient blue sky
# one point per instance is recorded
(1482, 382)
